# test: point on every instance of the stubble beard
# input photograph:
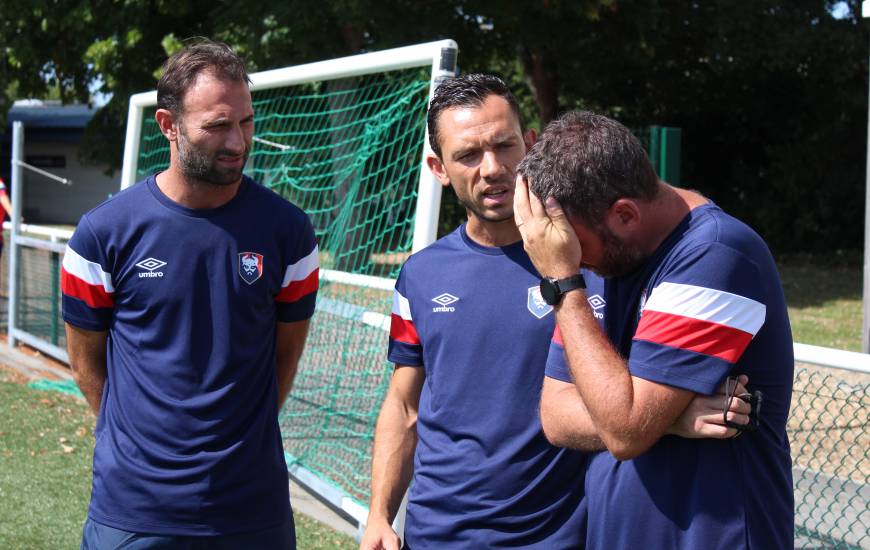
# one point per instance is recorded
(479, 212)
(198, 165)
(619, 258)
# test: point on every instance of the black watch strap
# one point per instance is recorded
(552, 289)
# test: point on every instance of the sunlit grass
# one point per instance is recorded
(46, 449)
(824, 298)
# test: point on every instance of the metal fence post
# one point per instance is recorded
(669, 159)
(55, 297)
(664, 152)
(17, 191)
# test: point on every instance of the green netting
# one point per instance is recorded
(348, 152)
(830, 442)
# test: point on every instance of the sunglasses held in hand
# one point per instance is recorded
(754, 399)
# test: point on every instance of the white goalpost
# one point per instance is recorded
(440, 56)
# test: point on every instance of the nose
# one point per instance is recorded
(236, 140)
(490, 167)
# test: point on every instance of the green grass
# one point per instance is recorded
(824, 299)
(313, 535)
(46, 448)
(44, 490)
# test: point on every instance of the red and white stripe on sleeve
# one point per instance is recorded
(300, 278)
(699, 319)
(83, 279)
(401, 324)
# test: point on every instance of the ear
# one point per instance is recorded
(530, 137)
(167, 124)
(437, 168)
(623, 216)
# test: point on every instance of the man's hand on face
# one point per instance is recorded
(548, 237)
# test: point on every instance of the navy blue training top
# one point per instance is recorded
(484, 475)
(187, 439)
(708, 304)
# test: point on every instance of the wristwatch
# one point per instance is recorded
(552, 289)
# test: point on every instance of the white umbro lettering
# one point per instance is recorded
(150, 267)
(444, 300)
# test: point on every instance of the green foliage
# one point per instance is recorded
(771, 95)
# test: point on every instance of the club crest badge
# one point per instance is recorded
(536, 304)
(250, 266)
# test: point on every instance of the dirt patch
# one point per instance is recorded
(9, 374)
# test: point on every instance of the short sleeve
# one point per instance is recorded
(698, 319)
(296, 299)
(405, 347)
(86, 281)
(557, 365)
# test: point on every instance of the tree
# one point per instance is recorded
(771, 95)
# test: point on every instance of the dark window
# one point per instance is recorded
(46, 161)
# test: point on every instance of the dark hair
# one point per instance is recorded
(182, 68)
(587, 162)
(469, 90)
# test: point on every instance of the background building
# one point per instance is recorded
(52, 134)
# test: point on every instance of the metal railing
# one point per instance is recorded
(34, 314)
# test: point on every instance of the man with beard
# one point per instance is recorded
(682, 296)
(187, 299)
(469, 338)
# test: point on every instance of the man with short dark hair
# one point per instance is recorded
(469, 339)
(187, 299)
(678, 296)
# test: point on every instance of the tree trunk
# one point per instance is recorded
(543, 83)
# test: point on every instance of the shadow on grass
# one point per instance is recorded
(813, 280)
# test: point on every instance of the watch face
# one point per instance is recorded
(549, 292)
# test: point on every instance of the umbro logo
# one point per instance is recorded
(596, 302)
(444, 300)
(150, 267)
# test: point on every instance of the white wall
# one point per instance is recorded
(49, 201)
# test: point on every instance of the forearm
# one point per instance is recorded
(603, 381)
(392, 460)
(91, 379)
(565, 420)
(87, 357)
(286, 374)
(290, 342)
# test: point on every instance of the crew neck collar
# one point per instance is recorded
(491, 250)
(196, 212)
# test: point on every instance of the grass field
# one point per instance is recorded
(46, 448)
(824, 299)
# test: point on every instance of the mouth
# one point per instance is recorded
(496, 193)
(231, 160)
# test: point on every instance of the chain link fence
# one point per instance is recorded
(830, 444)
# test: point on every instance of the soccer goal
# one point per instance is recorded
(345, 140)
